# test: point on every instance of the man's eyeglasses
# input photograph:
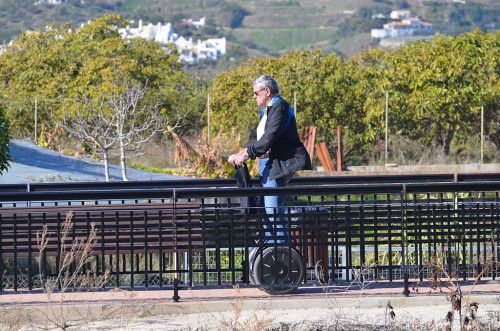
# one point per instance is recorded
(256, 93)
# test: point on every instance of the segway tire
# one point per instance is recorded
(276, 269)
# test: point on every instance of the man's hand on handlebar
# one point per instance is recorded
(238, 158)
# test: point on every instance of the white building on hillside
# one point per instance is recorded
(51, 2)
(400, 14)
(407, 27)
(190, 52)
(163, 33)
(197, 24)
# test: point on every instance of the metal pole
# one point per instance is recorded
(482, 131)
(406, 275)
(208, 118)
(36, 121)
(386, 123)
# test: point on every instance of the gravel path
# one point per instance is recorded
(430, 317)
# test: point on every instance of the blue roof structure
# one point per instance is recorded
(34, 164)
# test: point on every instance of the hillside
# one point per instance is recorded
(268, 27)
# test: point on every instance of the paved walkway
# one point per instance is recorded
(248, 308)
(372, 294)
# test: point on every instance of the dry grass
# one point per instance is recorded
(239, 317)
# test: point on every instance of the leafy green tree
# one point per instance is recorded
(436, 89)
(138, 87)
(439, 82)
(362, 109)
(486, 50)
(4, 143)
(322, 87)
(91, 73)
(31, 70)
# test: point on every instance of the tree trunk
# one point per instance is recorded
(106, 164)
(447, 142)
(123, 161)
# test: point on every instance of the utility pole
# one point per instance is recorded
(482, 131)
(36, 121)
(386, 123)
(208, 118)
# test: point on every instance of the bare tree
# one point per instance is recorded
(121, 121)
(95, 123)
(137, 120)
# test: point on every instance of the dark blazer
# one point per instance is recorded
(287, 154)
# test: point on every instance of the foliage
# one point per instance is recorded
(435, 89)
(438, 87)
(234, 15)
(329, 95)
(458, 18)
(301, 25)
(4, 143)
(107, 90)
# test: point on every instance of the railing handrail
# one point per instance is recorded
(229, 182)
(206, 192)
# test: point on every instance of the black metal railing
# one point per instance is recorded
(151, 234)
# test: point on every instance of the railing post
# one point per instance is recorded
(176, 296)
(406, 276)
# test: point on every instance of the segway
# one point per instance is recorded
(275, 268)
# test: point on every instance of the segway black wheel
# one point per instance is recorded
(277, 269)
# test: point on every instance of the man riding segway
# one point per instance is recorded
(281, 154)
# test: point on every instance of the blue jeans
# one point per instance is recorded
(274, 204)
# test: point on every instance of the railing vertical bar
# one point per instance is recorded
(117, 248)
(72, 266)
(478, 237)
(132, 245)
(30, 253)
(334, 242)
(59, 251)
(433, 235)
(103, 247)
(389, 237)
(191, 227)
(461, 212)
(362, 238)
(205, 251)
(492, 265)
(16, 268)
(160, 250)
(404, 223)
(348, 239)
(2, 267)
(232, 234)
(147, 258)
(376, 237)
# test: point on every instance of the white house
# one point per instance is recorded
(400, 14)
(407, 27)
(197, 24)
(52, 2)
(210, 49)
(190, 53)
(185, 48)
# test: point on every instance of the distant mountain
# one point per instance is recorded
(266, 26)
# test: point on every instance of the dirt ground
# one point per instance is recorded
(377, 306)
